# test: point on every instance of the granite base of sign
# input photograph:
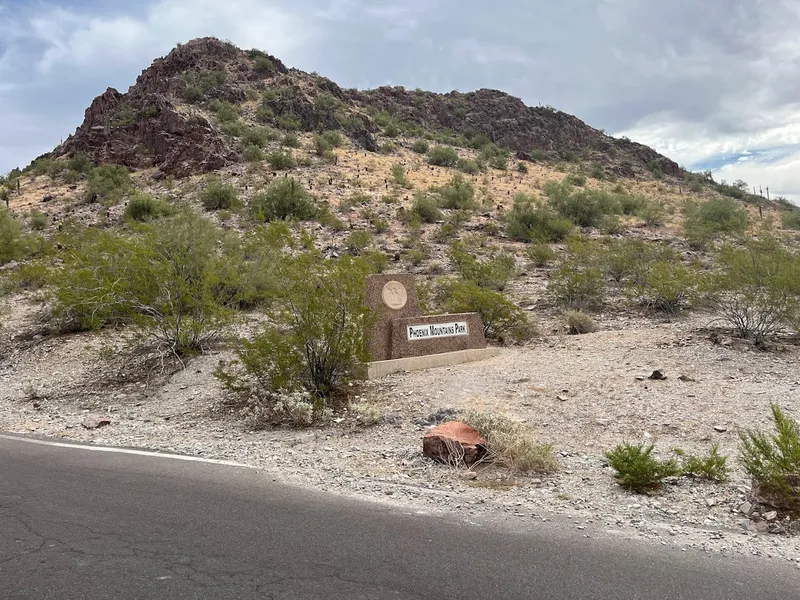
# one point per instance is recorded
(382, 368)
(401, 333)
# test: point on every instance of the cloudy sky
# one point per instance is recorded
(714, 84)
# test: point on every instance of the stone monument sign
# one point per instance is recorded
(401, 331)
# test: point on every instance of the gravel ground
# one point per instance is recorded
(583, 394)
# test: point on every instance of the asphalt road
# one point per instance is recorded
(78, 524)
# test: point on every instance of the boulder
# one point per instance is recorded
(95, 422)
(454, 443)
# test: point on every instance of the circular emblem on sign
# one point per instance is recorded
(395, 295)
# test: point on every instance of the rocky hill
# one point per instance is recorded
(163, 119)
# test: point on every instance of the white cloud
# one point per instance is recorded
(780, 176)
(82, 41)
(486, 53)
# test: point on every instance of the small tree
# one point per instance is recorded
(502, 319)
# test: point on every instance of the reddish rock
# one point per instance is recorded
(454, 443)
(95, 422)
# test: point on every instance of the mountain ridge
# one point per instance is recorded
(162, 120)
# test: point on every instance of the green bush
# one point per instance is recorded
(218, 195)
(575, 179)
(585, 208)
(791, 219)
(493, 273)
(468, 166)
(193, 95)
(575, 286)
(144, 207)
(630, 259)
(653, 214)
(637, 470)
(171, 280)
(290, 140)
(494, 156)
(528, 221)
(756, 289)
(257, 136)
(714, 217)
(666, 286)
(357, 242)
(510, 444)
(391, 130)
(37, 220)
(314, 340)
(263, 65)
(522, 167)
(108, 184)
(541, 254)
(425, 208)
(265, 114)
(443, 156)
(773, 461)
(579, 323)
(224, 111)
(458, 194)
(284, 199)
(713, 466)
(631, 205)
(253, 154)
(502, 319)
(235, 128)
(420, 147)
(14, 244)
(281, 161)
(399, 176)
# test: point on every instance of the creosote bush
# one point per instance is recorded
(219, 195)
(420, 147)
(510, 443)
(143, 207)
(637, 470)
(502, 319)
(541, 254)
(492, 273)
(713, 218)
(773, 461)
(576, 286)
(108, 184)
(284, 199)
(443, 156)
(457, 194)
(529, 221)
(14, 243)
(281, 161)
(425, 208)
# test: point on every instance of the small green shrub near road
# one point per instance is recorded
(637, 470)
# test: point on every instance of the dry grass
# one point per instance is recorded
(510, 443)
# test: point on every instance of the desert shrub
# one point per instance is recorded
(281, 161)
(653, 213)
(575, 179)
(637, 470)
(492, 273)
(538, 155)
(30, 276)
(443, 156)
(579, 323)
(576, 286)
(37, 220)
(290, 123)
(399, 176)
(265, 114)
(494, 156)
(224, 111)
(284, 199)
(253, 154)
(773, 461)
(420, 147)
(263, 65)
(629, 259)
(528, 221)
(630, 204)
(502, 319)
(541, 254)
(714, 217)
(358, 241)
(290, 140)
(14, 243)
(391, 130)
(467, 165)
(144, 207)
(218, 195)
(666, 286)
(522, 167)
(611, 225)
(511, 444)
(713, 466)
(790, 219)
(457, 194)
(425, 208)
(171, 280)
(257, 136)
(598, 172)
(315, 338)
(387, 148)
(756, 289)
(108, 184)
(235, 128)
(585, 208)
(193, 95)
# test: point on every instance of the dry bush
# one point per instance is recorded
(578, 322)
(510, 443)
